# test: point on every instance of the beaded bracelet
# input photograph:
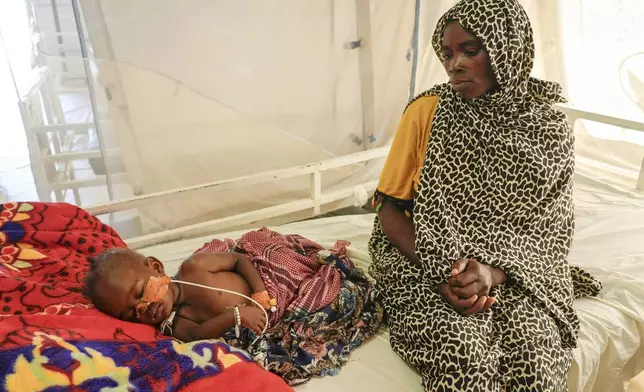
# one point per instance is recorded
(237, 321)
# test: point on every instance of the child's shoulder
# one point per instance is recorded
(195, 257)
(205, 259)
(200, 260)
(188, 266)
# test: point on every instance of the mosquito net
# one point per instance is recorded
(136, 97)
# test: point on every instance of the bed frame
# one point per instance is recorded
(316, 199)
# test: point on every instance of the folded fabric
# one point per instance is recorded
(325, 307)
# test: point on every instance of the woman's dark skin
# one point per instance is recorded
(470, 73)
(467, 63)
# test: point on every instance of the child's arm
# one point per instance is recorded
(218, 262)
(188, 331)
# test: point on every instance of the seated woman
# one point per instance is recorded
(475, 216)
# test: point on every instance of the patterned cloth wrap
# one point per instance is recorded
(496, 186)
(325, 304)
(52, 338)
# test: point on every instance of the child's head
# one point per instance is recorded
(127, 285)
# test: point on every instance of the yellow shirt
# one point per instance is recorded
(401, 173)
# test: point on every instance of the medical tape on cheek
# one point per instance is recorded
(155, 289)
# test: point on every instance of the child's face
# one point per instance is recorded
(138, 292)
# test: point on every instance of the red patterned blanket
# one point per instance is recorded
(52, 339)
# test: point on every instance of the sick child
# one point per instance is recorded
(320, 307)
(132, 287)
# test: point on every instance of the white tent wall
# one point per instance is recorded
(249, 87)
(202, 90)
(605, 75)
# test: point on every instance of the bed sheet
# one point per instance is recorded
(609, 242)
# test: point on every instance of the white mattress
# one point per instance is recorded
(609, 242)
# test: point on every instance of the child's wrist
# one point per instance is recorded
(265, 300)
(262, 297)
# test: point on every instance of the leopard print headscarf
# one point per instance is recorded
(497, 180)
(505, 31)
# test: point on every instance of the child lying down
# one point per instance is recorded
(319, 304)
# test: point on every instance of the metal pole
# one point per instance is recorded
(92, 91)
(365, 64)
(414, 48)
(60, 50)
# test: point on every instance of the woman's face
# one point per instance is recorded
(466, 62)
